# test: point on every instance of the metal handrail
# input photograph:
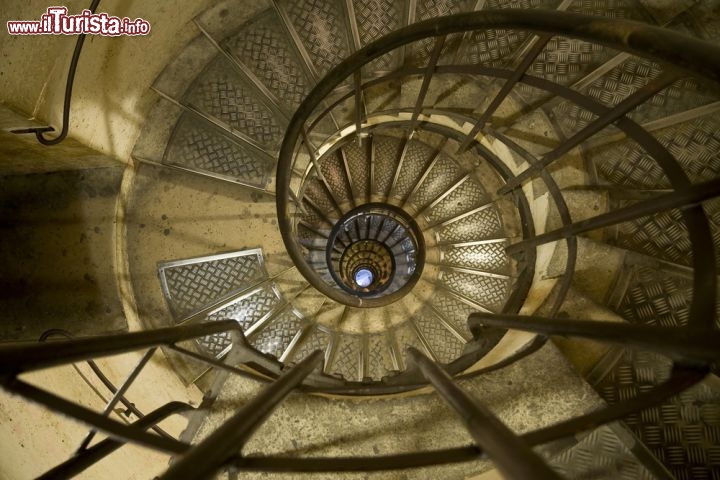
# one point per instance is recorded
(39, 131)
(225, 443)
(129, 406)
(90, 456)
(695, 56)
(222, 449)
(694, 347)
(691, 54)
(693, 350)
(489, 433)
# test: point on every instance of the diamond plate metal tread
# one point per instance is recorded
(656, 297)
(215, 345)
(684, 431)
(318, 22)
(446, 346)
(269, 55)
(386, 156)
(359, 167)
(496, 47)
(379, 363)
(375, 19)
(566, 60)
(333, 170)
(346, 361)
(246, 310)
(520, 4)
(478, 226)
(453, 310)
(493, 47)
(571, 118)
(310, 239)
(635, 73)
(316, 339)
(694, 144)
(684, 94)
(469, 195)
(250, 308)
(313, 218)
(316, 192)
(600, 455)
(488, 257)
(406, 336)
(665, 235)
(621, 82)
(221, 93)
(706, 19)
(487, 291)
(275, 337)
(205, 148)
(427, 9)
(417, 155)
(609, 90)
(191, 284)
(444, 174)
(620, 9)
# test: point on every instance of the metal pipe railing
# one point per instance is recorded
(129, 406)
(512, 456)
(86, 458)
(40, 131)
(227, 441)
(19, 358)
(684, 345)
(679, 51)
(693, 348)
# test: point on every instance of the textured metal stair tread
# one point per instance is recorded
(273, 326)
(378, 146)
(203, 147)
(603, 454)
(682, 432)
(543, 67)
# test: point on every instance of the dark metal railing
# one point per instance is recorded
(489, 433)
(67, 99)
(221, 449)
(130, 407)
(86, 458)
(680, 55)
(693, 348)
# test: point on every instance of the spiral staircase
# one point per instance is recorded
(410, 189)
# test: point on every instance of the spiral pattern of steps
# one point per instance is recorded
(218, 126)
(226, 100)
(463, 268)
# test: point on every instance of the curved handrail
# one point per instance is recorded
(39, 131)
(695, 56)
(685, 52)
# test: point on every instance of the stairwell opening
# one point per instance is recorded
(478, 257)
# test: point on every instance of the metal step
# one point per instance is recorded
(682, 432)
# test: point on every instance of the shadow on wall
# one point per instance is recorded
(57, 253)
